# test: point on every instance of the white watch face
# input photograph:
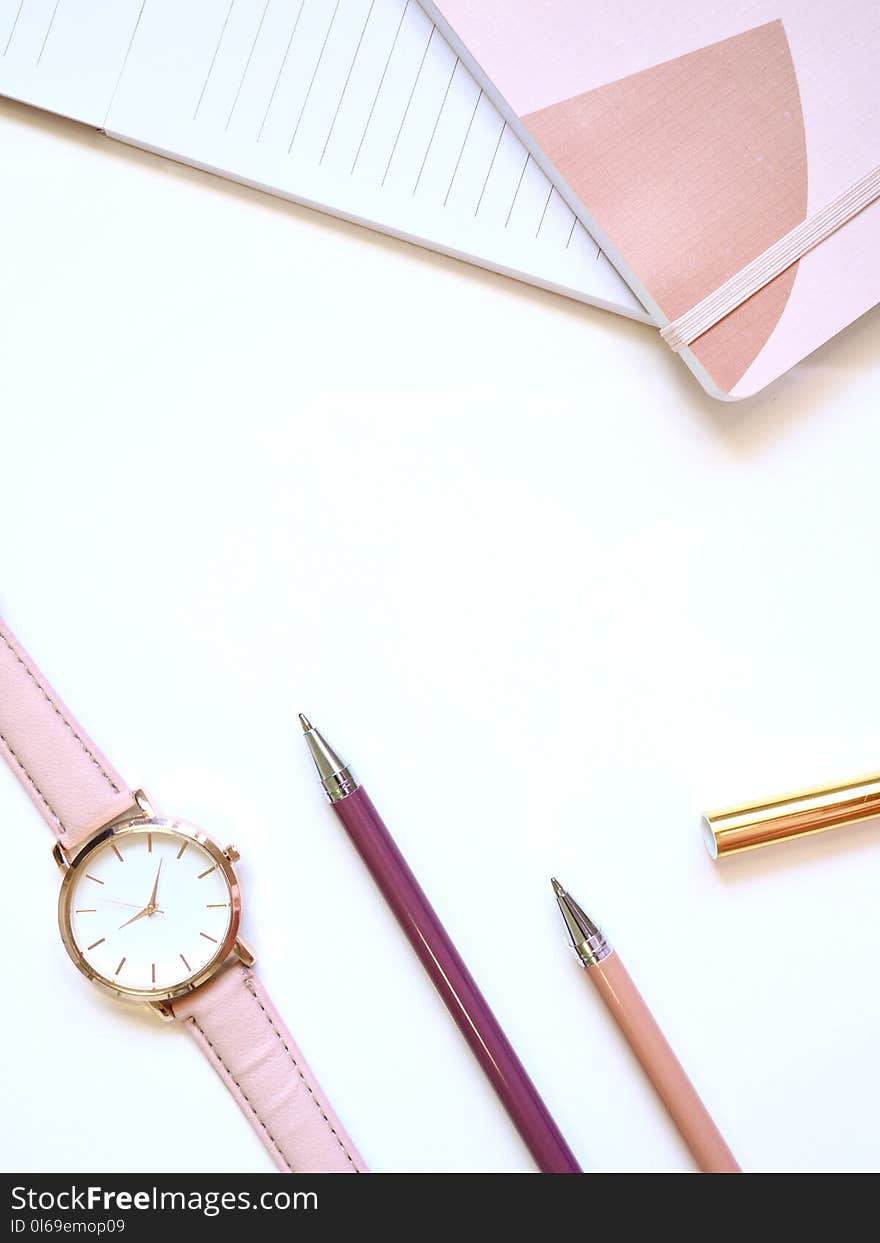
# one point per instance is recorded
(150, 909)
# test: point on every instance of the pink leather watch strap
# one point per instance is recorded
(240, 1032)
(72, 785)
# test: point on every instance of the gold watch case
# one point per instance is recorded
(231, 946)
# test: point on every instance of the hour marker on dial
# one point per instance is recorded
(207, 872)
(185, 963)
(121, 965)
(149, 843)
(117, 852)
(86, 910)
(153, 973)
(100, 941)
(217, 906)
(207, 938)
(94, 878)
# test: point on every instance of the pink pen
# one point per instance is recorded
(623, 999)
(441, 960)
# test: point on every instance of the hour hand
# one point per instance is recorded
(140, 915)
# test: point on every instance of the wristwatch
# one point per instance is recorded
(149, 909)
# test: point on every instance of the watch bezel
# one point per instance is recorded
(164, 826)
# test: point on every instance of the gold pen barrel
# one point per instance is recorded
(745, 827)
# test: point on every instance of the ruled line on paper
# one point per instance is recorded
(351, 66)
(302, 5)
(247, 63)
(14, 25)
(409, 102)
(125, 58)
(436, 123)
(467, 134)
(312, 79)
(214, 58)
(48, 32)
(544, 212)
(516, 191)
(381, 84)
(491, 166)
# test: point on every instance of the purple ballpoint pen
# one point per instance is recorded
(441, 959)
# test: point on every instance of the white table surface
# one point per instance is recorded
(551, 599)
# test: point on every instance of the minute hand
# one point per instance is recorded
(151, 905)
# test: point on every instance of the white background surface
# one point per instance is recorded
(552, 601)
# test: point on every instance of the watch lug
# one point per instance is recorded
(144, 803)
(60, 858)
(163, 1009)
(244, 953)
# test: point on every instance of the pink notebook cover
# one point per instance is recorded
(690, 136)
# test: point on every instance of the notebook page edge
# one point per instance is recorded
(371, 222)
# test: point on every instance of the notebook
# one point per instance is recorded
(357, 107)
(725, 156)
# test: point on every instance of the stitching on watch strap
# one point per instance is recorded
(32, 783)
(249, 985)
(55, 708)
(244, 1095)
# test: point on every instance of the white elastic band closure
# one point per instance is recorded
(791, 247)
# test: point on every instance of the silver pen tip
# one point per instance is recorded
(305, 722)
(587, 938)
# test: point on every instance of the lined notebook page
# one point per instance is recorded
(65, 55)
(356, 107)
